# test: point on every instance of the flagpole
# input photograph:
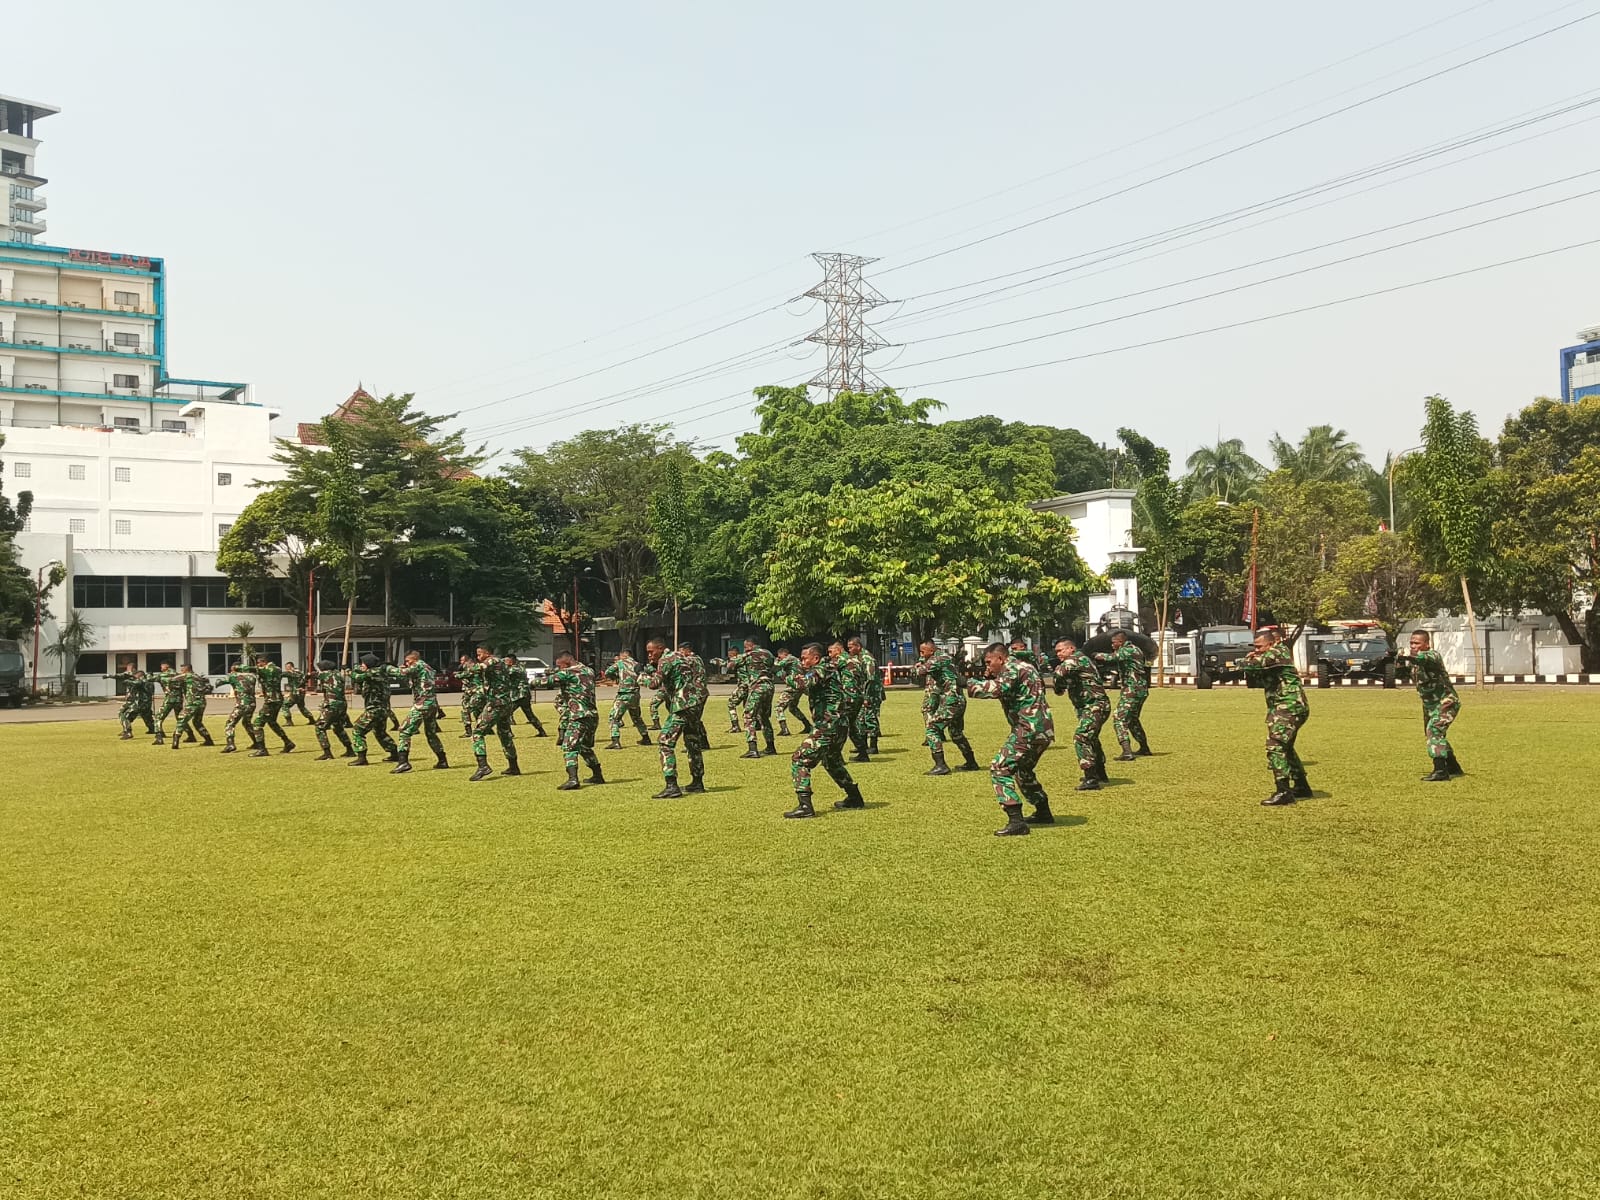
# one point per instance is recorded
(1250, 593)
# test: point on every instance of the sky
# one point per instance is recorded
(548, 217)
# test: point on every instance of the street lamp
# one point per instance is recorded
(38, 609)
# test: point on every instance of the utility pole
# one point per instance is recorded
(844, 328)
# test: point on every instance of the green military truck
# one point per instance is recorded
(12, 670)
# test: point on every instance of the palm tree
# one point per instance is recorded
(1224, 471)
(73, 637)
(242, 631)
(1324, 455)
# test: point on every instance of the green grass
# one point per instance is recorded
(224, 977)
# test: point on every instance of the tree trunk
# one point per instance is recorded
(1161, 627)
(388, 593)
(1472, 632)
(1584, 638)
(675, 638)
(349, 616)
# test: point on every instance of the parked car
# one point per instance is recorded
(1354, 651)
(538, 671)
(1218, 651)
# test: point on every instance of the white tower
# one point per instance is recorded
(22, 211)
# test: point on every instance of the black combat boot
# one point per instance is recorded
(1100, 772)
(696, 786)
(360, 760)
(772, 746)
(873, 747)
(325, 756)
(191, 739)
(783, 729)
(1440, 773)
(392, 754)
(852, 797)
(571, 784)
(402, 760)
(441, 763)
(483, 771)
(230, 748)
(645, 741)
(596, 775)
(1455, 767)
(671, 792)
(861, 754)
(1301, 789)
(1041, 814)
(940, 767)
(1090, 781)
(1015, 826)
(125, 736)
(260, 751)
(511, 765)
(1126, 755)
(1144, 750)
(614, 744)
(655, 724)
(288, 747)
(802, 807)
(1283, 794)
(347, 752)
(969, 761)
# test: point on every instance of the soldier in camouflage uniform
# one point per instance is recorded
(1019, 649)
(822, 681)
(193, 689)
(472, 694)
(498, 703)
(681, 676)
(1270, 666)
(579, 714)
(1020, 689)
(737, 697)
(872, 694)
(522, 693)
(756, 677)
(135, 702)
(294, 686)
(784, 668)
(1077, 676)
(624, 672)
(854, 685)
(171, 702)
(334, 715)
(1134, 672)
(1440, 705)
(371, 681)
(944, 708)
(424, 714)
(243, 682)
(270, 681)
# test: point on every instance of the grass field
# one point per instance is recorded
(225, 977)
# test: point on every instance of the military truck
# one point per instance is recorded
(12, 670)
(1352, 650)
(1219, 651)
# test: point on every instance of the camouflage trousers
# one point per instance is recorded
(498, 718)
(135, 709)
(241, 713)
(334, 716)
(758, 714)
(1283, 727)
(471, 709)
(423, 718)
(575, 736)
(1125, 720)
(736, 700)
(1011, 769)
(948, 724)
(657, 699)
(855, 727)
(526, 705)
(375, 721)
(822, 747)
(686, 724)
(867, 720)
(1437, 717)
(627, 705)
(172, 707)
(787, 703)
(1086, 737)
(193, 717)
(267, 718)
(296, 701)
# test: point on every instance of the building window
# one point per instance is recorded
(125, 422)
(77, 471)
(224, 479)
(122, 474)
(91, 664)
(208, 593)
(125, 298)
(125, 381)
(174, 427)
(97, 591)
(155, 591)
(222, 531)
(122, 525)
(77, 525)
(22, 470)
(128, 340)
(220, 656)
(269, 596)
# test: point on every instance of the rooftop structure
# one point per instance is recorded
(22, 215)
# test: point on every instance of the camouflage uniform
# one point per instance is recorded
(424, 714)
(681, 675)
(334, 715)
(657, 699)
(294, 685)
(824, 686)
(736, 698)
(1287, 711)
(944, 707)
(496, 713)
(472, 696)
(1031, 657)
(270, 679)
(372, 684)
(579, 714)
(872, 694)
(243, 682)
(756, 677)
(624, 672)
(1134, 672)
(193, 689)
(135, 702)
(1440, 705)
(522, 695)
(171, 703)
(784, 669)
(1020, 690)
(854, 688)
(1080, 680)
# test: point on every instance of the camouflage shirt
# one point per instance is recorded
(517, 685)
(497, 683)
(575, 692)
(624, 672)
(1080, 678)
(824, 687)
(294, 683)
(784, 669)
(372, 685)
(471, 681)
(1280, 679)
(872, 680)
(1135, 671)
(682, 676)
(271, 681)
(1020, 690)
(331, 685)
(755, 668)
(421, 678)
(852, 678)
(244, 686)
(1031, 657)
(942, 688)
(169, 683)
(1433, 681)
(195, 688)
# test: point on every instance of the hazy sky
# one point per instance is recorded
(481, 201)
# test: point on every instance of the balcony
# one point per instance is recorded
(17, 172)
(71, 343)
(27, 220)
(25, 197)
(41, 386)
(26, 299)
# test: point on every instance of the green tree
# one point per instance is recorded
(922, 556)
(1303, 525)
(73, 637)
(1450, 473)
(274, 540)
(244, 631)
(342, 525)
(1323, 455)
(1381, 575)
(16, 587)
(1211, 542)
(1225, 471)
(671, 539)
(1157, 506)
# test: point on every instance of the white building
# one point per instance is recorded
(22, 216)
(1102, 521)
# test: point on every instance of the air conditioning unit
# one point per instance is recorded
(29, 342)
(77, 304)
(1589, 335)
(128, 307)
(36, 387)
(34, 300)
(79, 346)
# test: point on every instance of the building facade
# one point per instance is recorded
(22, 216)
(1102, 524)
(1580, 367)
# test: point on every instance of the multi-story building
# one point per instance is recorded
(22, 216)
(1580, 367)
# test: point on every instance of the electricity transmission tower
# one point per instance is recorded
(844, 329)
